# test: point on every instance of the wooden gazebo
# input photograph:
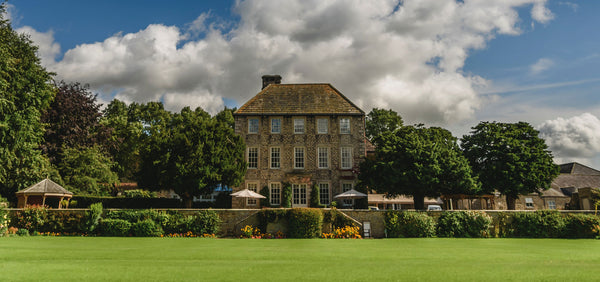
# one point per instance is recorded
(38, 193)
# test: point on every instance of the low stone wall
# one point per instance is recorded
(233, 220)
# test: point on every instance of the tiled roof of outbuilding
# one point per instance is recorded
(299, 99)
(45, 186)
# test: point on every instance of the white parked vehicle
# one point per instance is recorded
(434, 208)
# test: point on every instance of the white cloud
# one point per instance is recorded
(47, 48)
(405, 55)
(541, 65)
(573, 139)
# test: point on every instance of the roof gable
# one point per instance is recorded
(45, 186)
(577, 168)
(299, 99)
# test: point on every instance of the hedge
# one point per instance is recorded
(469, 224)
(114, 227)
(305, 223)
(408, 224)
(538, 224)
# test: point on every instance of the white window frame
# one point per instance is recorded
(319, 163)
(299, 126)
(273, 127)
(248, 157)
(322, 126)
(299, 157)
(253, 128)
(324, 200)
(346, 162)
(345, 126)
(551, 204)
(299, 195)
(275, 197)
(252, 186)
(529, 203)
(271, 159)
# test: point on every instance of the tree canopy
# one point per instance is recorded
(510, 158)
(418, 161)
(25, 92)
(379, 121)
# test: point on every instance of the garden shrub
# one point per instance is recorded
(267, 216)
(93, 215)
(305, 223)
(114, 227)
(22, 232)
(538, 224)
(4, 219)
(146, 228)
(176, 223)
(265, 202)
(134, 216)
(409, 224)
(582, 226)
(64, 222)
(138, 193)
(205, 222)
(470, 224)
(30, 218)
(128, 203)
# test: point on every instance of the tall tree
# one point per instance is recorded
(88, 170)
(72, 121)
(126, 129)
(418, 161)
(25, 92)
(510, 158)
(191, 153)
(379, 121)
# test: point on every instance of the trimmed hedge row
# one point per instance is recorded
(143, 223)
(128, 203)
(472, 224)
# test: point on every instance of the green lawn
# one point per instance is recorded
(194, 259)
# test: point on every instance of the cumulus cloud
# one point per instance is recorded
(541, 65)
(47, 48)
(573, 139)
(406, 55)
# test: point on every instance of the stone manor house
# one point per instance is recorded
(301, 134)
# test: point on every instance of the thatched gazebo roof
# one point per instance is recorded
(43, 189)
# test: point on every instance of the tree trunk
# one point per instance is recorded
(187, 202)
(419, 201)
(510, 202)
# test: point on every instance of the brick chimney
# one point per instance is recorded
(270, 79)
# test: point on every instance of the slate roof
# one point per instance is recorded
(577, 168)
(45, 186)
(575, 175)
(299, 99)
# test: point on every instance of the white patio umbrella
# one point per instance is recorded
(350, 194)
(247, 194)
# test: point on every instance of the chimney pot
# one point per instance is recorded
(270, 79)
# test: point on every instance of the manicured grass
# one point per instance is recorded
(193, 259)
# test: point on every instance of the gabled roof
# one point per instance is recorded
(45, 186)
(299, 99)
(577, 168)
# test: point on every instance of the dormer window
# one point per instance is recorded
(253, 125)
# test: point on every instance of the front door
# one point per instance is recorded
(299, 195)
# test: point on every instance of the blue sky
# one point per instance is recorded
(437, 62)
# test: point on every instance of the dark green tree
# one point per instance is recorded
(510, 158)
(418, 161)
(88, 171)
(126, 129)
(191, 153)
(25, 92)
(379, 121)
(72, 120)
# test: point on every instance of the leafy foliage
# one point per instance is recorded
(146, 228)
(305, 223)
(470, 224)
(87, 170)
(538, 224)
(418, 161)
(92, 216)
(25, 93)
(114, 227)
(286, 195)
(582, 226)
(409, 224)
(510, 158)
(379, 121)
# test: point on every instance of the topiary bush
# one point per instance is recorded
(538, 224)
(304, 223)
(582, 226)
(93, 215)
(469, 224)
(286, 195)
(114, 227)
(146, 228)
(409, 224)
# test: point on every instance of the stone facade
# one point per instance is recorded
(285, 145)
